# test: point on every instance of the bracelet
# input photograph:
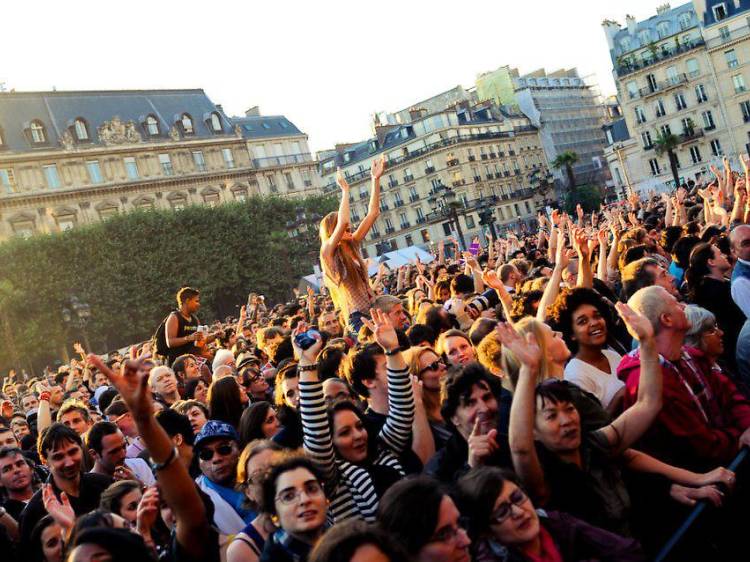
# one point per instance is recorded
(306, 368)
(170, 459)
(392, 351)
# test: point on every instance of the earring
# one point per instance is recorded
(275, 520)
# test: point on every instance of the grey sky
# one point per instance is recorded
(326, 65)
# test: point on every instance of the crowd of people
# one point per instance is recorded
(567, 394)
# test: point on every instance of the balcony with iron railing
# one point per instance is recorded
(663, 86)
(627, 66)
(458, 183)
(421, 220)
(689, 135)
(452, 162)
(413, 197)
(472, 158)
(286, 160)
(390, 230)
(398, 203)
(724, 39)
(393, 183)
(483, 156)
(408, 178)
(477, 178)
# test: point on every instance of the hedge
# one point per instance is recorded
(129, 268)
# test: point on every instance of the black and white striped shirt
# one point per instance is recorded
(350, 487)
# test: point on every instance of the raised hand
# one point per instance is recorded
(492, 280)
(60, 510)
(378, 167)
(602, 237)
(148, 510)
(309, 355)
(638, 325)
(481, 445)
(382, 329)
(131, 383)
(78, 348)
(526, 349)
(579, 212)
(581, 243)
(341, 181)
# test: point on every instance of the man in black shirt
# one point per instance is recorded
(16, 480)
(61, 450)
(181, 329)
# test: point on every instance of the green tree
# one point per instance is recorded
(129, 268)
(566, 160)
(666, 144)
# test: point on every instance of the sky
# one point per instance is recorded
(327, 65)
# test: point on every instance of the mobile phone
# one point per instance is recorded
(306, 339)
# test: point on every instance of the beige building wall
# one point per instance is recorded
(475, 161)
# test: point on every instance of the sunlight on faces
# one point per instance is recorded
(431, 377)
(65, 461)
(52, 543)
(290, 391)
(557, 425)
(349, 436)
(588, 326)
(451, 543)
(334, 391)
(480, 401)
(197, 419)
(458, 350)
(74, 420)
(201, 392)
(20, 427)
(307, 512)
(129, 506)
(219, 468)
(255, 469)
(520, 524)
(271, 424)
(113, 451)
(29, 402)
(557, 349)
(15, 473)
(8, 438)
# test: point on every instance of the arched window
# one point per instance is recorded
(81, 129)
(38, 133)
(663, 29)
(215, 123)
(686, 20)
(152, 126)
(645, 37)
(625, 43)
(187, 124)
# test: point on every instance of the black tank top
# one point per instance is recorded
(184, 329)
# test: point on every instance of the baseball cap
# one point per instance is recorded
(215, 429)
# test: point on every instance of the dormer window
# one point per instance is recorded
(720, 12)
(152, 126)
(187, 124)
(81, 130)
(663, 30)
(215, 123)
(38, 132)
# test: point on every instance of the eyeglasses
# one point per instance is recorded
(208, 454)
(449, 534)
(434, 366)
(311, 489)
(503, 512)
(711, 330)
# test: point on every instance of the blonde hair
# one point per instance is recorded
(511, 364)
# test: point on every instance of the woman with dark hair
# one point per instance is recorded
(46, 542)
(122, 498)
(437, 318)
(254, 462)
(356, 541)
(344, 270)
(258, 421)
(196, 389)
(584, 320)
(420, 516)
(577, 471)
(226, 401)
(505, 527)
(108, 543)
(294, 496)
(358, 467)
(709, 288)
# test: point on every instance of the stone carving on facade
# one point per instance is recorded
(117, 132)
(238, 131)
(174, 133)
(66, 140)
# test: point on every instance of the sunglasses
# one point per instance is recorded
(208, 454)
(434, 366)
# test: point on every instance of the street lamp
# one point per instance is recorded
(487, 214)
(443, 202)
(78, 316)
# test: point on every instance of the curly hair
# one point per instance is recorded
(560, 313)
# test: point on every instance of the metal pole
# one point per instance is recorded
(454, 216)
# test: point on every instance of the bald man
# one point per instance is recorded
(740, 240)
(704, 418)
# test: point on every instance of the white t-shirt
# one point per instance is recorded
(602, 385)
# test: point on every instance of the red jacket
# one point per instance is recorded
(698, 430)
